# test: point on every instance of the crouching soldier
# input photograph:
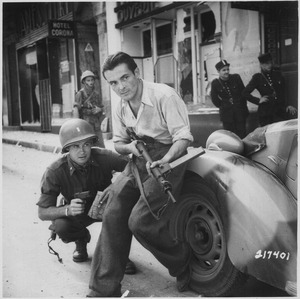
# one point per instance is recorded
(77, 176)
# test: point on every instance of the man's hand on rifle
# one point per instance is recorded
(154, 164)
(133, 149)
(96, 110)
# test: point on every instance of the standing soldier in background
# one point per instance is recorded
(226, 94)
(270, 84)
(88, 105)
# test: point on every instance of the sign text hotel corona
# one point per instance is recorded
(61, 29)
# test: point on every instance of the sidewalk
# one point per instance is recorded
(47, 142)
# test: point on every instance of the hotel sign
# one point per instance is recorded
(62, 29)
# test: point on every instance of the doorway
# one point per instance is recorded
(28, 76)
(210, 55)
(39, 90)
(281, 40)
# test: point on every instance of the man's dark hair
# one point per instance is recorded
(114, 60)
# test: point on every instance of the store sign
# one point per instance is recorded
(62, 29)
(64, 66)
(129, 12)
(89, 48)
(33, 16)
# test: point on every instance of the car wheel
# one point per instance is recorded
(199, 223)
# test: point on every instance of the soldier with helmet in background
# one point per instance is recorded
(81, 170)
(88, 105)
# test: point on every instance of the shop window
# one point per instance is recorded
(147, 43)
(186, 73)
(187, 22)
(208, 23)
(164, 39)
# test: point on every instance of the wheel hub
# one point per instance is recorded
(199, 235)
(203, 235)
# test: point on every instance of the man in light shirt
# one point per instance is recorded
(138, 205)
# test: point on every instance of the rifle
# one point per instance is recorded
(159, 172)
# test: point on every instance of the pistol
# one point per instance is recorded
(83, 195)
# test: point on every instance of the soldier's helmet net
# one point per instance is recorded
(75, 130)
(86, 74)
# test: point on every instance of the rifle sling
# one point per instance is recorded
(88, 99)
(143, 195)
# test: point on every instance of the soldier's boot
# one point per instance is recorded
(80, 253)
(130, 267)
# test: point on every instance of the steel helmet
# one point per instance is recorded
(87, 74)
(75, 130)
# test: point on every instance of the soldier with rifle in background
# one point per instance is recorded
(88, 105)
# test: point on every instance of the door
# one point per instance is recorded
(28, 80)
(43, 86)
(281, 40)
(148, 70)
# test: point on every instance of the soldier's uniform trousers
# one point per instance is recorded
(72, 228)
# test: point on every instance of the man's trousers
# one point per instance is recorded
(127, 213)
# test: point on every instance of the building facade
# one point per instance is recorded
(179, 43)
(46, 47)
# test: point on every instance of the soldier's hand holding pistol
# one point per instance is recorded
(76, 207)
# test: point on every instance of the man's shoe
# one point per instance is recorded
(183, 280)
(80, 253)
(130, 268)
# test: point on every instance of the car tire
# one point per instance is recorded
(198, 222)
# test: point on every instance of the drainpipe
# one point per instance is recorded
(154, 46)
(194, 66)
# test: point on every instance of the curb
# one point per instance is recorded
(37, 146)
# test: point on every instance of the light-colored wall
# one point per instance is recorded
(241, 40)
(114, 35)
(113, 43)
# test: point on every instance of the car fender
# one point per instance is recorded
(259, 213)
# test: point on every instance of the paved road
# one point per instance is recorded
(30, 271)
